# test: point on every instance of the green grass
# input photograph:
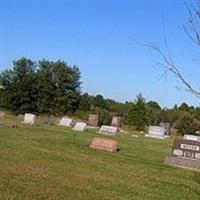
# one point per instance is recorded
(52, 162)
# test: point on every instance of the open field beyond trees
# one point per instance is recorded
(52, 162)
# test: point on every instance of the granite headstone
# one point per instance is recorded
(185, 153)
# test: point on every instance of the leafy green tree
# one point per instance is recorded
(137, 115)
(154, 110)
(18, 85)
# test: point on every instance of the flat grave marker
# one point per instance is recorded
(80, 126)
(104, 144)
(108, 130)
(65, 121)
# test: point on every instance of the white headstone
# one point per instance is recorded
(65, 121)
(80, 126)
(108, 130)
(29, 118)
(156, 132)
(192, 137)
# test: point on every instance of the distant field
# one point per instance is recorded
(51, 162)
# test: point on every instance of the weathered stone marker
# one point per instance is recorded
(108, 130)
(185, 153)
(104, 144)
(166, 126)
(80, 126)
(65, 121)
(157, 132)
(93, 120)
(116, 121)
(29, 118)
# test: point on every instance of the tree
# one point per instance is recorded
(154, 111)
(137, 115)
(41, 87)
(18, 86)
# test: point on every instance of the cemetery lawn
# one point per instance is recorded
(54, 163)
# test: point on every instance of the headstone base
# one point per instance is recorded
(182, 162)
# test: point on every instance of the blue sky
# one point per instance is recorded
(97, 37)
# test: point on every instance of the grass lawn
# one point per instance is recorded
(52, 162)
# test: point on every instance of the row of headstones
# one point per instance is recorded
(80, 126)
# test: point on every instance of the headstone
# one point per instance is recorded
(166, 126)
(157, 132)
(185, 153)
(29, 118)
(108, 130)
(2, 113)
(104, 144)
(116, 121)
(93, 120)
(80, 126)
(20, 117)
(65, 121)
(192, 137)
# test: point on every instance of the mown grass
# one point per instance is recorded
(52, 162)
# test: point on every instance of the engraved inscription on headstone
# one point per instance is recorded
(116, 121)
(93, 120)
(185, 153)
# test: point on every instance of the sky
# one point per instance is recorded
(99, 37)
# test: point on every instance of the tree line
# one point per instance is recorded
(54, 87)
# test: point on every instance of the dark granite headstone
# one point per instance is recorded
(93, 120)
(185, 153)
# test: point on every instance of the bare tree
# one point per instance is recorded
(192, 30)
